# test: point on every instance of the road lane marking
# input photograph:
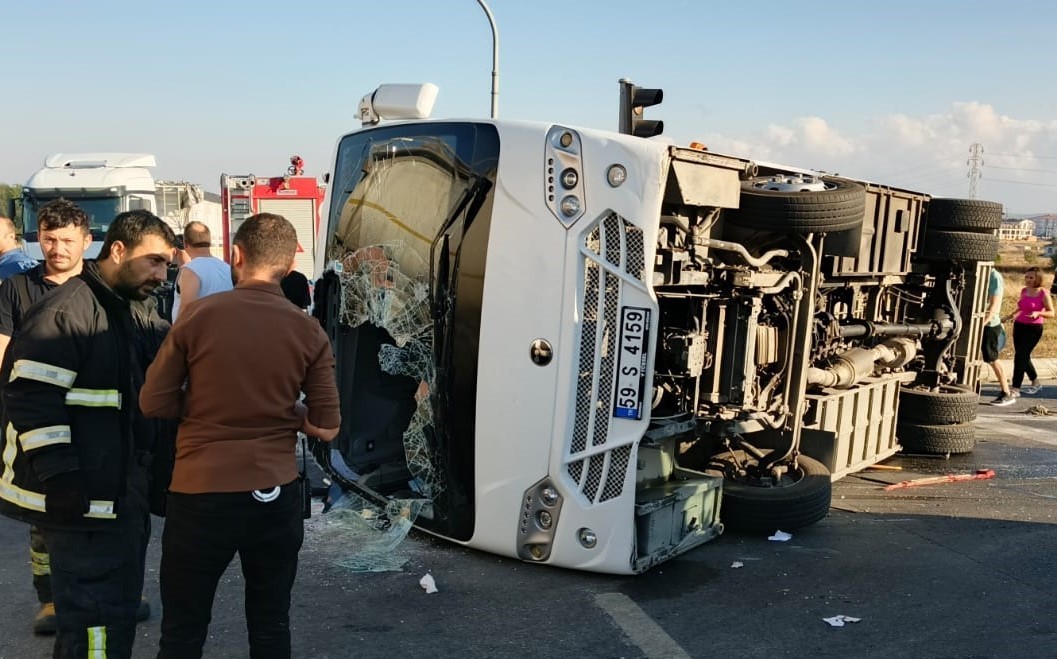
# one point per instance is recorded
(639, 627)
(1004, 425)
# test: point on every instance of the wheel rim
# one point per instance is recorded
(752, 476)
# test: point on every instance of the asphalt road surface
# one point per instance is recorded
(964, 569)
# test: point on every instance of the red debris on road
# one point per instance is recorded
(980, 475)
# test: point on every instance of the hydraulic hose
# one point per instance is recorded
(739, 249)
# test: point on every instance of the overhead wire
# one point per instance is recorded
(1020, 169)
(1021, 155)
(1039, 185)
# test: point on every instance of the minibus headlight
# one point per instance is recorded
(541, 507)
(616, 175)
(563, 185)
(549, 496)
(587, 538)
(544, 520)
(570, 205)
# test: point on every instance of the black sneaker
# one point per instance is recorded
(1003, 400)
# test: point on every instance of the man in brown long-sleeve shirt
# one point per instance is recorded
(246, 356)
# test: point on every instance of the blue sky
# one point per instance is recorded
(894, 92)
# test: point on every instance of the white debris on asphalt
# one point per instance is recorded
(781, 536)
(737, 564)
(839, 620)
(428, 584)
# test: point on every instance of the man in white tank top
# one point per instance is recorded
(204, 274)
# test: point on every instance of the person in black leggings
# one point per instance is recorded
(1033, 307)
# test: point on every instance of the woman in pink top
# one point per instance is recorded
(1034, 306)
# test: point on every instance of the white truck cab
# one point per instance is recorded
(103, 184)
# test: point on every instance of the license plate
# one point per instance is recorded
(631, 362)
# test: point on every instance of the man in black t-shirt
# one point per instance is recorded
(24, 288)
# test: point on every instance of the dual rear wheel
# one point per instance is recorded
(937, 421)
(960, 230)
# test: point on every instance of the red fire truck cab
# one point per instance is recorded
(296, 197)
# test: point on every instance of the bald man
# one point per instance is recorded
(12, 259)
(204, 274)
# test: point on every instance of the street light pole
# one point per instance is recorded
(495, 58)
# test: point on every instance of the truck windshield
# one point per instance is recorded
(407, 241)
(101, 212)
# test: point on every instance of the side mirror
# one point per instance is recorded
(14, 211)
(138, 203)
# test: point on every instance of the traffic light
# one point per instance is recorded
(632, 101)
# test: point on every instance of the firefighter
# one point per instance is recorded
(79, 471)
(64, 236)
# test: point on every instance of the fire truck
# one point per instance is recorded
(293, 195)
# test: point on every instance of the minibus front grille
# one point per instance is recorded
(612, 248)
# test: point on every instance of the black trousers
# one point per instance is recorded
(1025, 337)
(202, 534)
(97, 578)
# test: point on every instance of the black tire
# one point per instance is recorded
(947, 404)
(954, 438)
(957, 246)
(972, 215)
(841, 206)
(804, 500)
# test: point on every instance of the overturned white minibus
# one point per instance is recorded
(593, 350)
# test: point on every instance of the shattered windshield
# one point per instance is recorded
(407, 239)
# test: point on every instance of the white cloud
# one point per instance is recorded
(819, 137)
(810, 136)
(781, 136)
(907, 130)
(927, 153)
